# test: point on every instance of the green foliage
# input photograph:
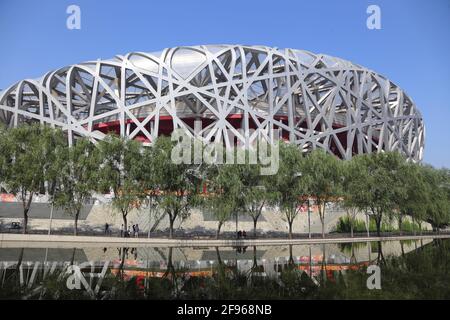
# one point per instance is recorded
(379, 183)
(409, 226)
(119, 172)
(179, 185)
(256, 191)
(324, 172)
(35, 159)
(75, 177)
(413, 201)
(289, 184)
(438, 206)
(343, 226)
(27, 157)
(225, 186)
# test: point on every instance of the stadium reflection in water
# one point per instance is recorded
(217, 272)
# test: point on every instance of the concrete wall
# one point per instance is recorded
(95, 217)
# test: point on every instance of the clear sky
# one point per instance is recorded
(412, 47)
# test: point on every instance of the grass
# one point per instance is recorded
(343, 226)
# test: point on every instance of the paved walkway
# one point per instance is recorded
(50, 241)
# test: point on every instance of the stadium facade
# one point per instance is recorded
(317, 101)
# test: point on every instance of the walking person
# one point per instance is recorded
(122, 231)
(128, 232)
(106, 228)
(136, 235)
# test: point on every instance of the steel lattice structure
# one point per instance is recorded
(317, 101)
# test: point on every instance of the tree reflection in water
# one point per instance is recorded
(418, 274)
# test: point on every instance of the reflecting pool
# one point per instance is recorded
(418, 269)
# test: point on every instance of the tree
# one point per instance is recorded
(380, 188)
(3, 158)
(225, 186)
(119, 171)
(178, 184)
(27, 152)
(148, 176)
(75, 171)
(289, 184)
(438, 205)
(325, 178)
(414, 199)
(255, 192)
(352, 175)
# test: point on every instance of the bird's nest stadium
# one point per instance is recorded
(315, 100)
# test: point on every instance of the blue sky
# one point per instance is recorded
(411, 49)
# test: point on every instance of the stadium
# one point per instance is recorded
(315, 100)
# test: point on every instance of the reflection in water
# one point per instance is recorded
(293, 271)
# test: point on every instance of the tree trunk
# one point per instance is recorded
(290, 229)
(26, 209)
(120, 274)
(324, 266)
(17, 269)
(25, 221)
(380, 258)
(219, 259)
(255, 260)
(309, 220)
(75, 230)
(322, 218)
(73, 256)
(378, 223)
(125, 227)
(400, 223)
(218, 229)
(350, 221)
(171, 222)
(255, 221)
(323, 227)
(291, 256)
(367, 224)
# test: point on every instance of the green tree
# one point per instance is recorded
(414, 199)
(27, 154)
(352, 175)
(223, 199)
(3, 158)
(255, 191)
(148, 176)
(178, 184)
(325, 179)
(119, 172)
(76, 176)
(438, 205)
(289, 185)
(380, 189)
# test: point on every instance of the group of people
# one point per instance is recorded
(241, 234)
(124, 233)
(128, 233)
